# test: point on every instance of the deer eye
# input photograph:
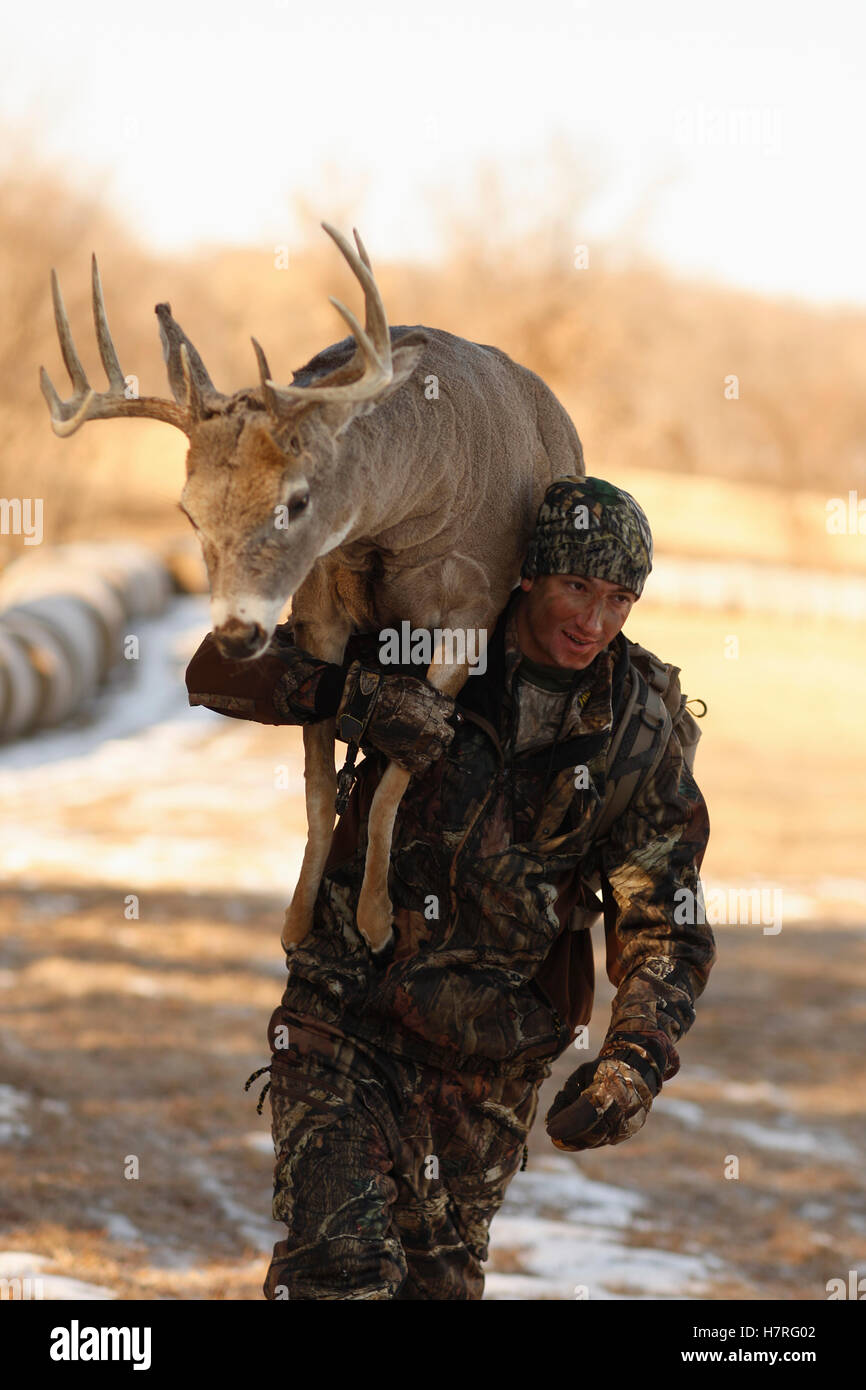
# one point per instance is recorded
(295, 444)
(298, 504)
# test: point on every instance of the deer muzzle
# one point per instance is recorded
(240, 641)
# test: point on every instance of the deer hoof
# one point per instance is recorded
(383, 954)
(383, 958)
(374, 922)
(295, 930)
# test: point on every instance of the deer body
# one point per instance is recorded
(424, 481)
(397, 478)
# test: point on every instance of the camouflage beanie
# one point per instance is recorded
(588, 526)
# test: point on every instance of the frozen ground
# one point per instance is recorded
(147, 854)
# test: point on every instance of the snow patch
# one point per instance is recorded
(262, 1143)
(788, 1140)
(555, 1183)
(138, 694)
(584, 1249)
(688, 1112)
(13, 1104)
(570, 1257)
(254, 1229)
(118, 1227)
(23, 1265)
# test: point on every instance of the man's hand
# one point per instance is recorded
(264, 689)
(404, 718)
(603, 1102)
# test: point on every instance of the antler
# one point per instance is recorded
(374, 340)
(87, 404)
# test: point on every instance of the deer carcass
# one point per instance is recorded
(396, 479)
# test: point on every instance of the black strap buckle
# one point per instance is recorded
(346, 778)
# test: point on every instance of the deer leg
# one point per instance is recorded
(320, 790)
(325, 637)
(374, 912)
(374, 904)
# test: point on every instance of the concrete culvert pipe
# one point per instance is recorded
(64, 614)
(57, 579)
(60, 681)
(78, 627)
(20, 690)
(139, 577)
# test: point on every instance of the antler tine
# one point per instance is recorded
(374, 340)
(377, 319)
(192, 401)
(271, 399)
(80, 403)
(63, 425)
(360, 333)
(107, 350)
(72, 362)
(85, 403)
(366, 386)
(362, 250)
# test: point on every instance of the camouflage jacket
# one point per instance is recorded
(492, 853)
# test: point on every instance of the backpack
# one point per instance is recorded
(654, 708)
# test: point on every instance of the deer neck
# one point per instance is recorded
(392, 479)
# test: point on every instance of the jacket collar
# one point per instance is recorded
(590, 710)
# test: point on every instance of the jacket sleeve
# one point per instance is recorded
(283, 686)
(660, 949)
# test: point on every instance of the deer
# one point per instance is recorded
(397, 477)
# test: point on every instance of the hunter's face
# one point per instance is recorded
(567, 619)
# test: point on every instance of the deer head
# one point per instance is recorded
(264, 490)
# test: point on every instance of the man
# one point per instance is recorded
(403, 1088)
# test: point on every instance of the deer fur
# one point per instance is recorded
(407, 466)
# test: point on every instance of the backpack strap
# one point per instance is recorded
(653, 709)
(639, 742)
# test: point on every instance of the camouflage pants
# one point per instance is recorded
(388, 1172)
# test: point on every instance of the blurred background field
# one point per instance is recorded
(639, 357)
(133, 1034)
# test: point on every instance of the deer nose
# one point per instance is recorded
(239, 640)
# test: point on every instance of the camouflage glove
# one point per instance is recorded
(305, 678)
(604, 1102)
(404, 718)
(284, 685)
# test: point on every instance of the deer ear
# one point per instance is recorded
(173, 339)
(405, 356)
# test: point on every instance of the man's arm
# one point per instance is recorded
(398, 715)
(659, 955)
(283, 686)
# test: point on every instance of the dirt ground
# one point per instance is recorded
(126, 1041)
(137, 1039)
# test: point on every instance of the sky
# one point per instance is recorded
(725, 141)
